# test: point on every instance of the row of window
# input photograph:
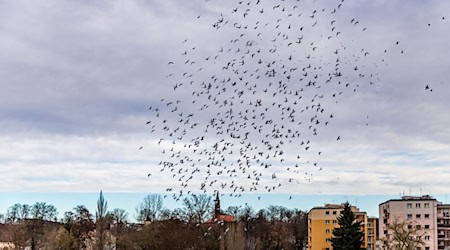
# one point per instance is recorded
(418, 238)
(328, 212)
(328, 222)
(418, 227)
(418, 205)
(418, 216)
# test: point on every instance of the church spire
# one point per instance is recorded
(217, 206)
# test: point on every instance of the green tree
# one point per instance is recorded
(348, 236)
(102, 207)
(101, 222)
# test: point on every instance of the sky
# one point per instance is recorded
(78, 78)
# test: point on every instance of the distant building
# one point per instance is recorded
(218, 215)
(372, 233)
(419, 212)
(322, 221)
(443, 226)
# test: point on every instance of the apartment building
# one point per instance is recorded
(372, 233)
(419, 212)
(322, 221)
(443, 226)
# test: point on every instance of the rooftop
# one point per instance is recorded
(412, 198)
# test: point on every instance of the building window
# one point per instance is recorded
(409, 216)
(418, 227)
(327, 212)
(427, 237)
(409, 226)
(334, 212)
(334, 221)
(427, 216)
(417, 216)
(327, 222)
(409, 205)
(427, 248)
(327, 240)
(417, 205)
(426, 205)
(327, 231)
(427, 226)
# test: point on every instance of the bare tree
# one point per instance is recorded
(12, 214)
(150, 208)
(197, 207)
(404, 235)
(24, 211)
(234, 210)
(43, 211)
(119, 216)
(79, 222)
(299, 224)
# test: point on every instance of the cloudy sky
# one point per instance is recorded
(78, 78)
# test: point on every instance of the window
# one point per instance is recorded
(427, 248)
(417, 216)
(409, 216)
(427, 216)
(426, 205)
(327, 222)
(334, 221)
(418, 227)
(427, 226)
(334, 212)
(327, 231)
(409, 205)
(327, 240)
(327, 212)
(410, 226)
(427, 237)
(417, 205)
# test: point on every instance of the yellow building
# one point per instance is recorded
(322, 221)
(372, 233)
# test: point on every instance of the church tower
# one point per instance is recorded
(217, 206)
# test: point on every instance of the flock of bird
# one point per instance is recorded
(244, 118)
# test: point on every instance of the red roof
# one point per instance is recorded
(222, 217)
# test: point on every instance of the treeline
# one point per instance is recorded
(189, 227)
